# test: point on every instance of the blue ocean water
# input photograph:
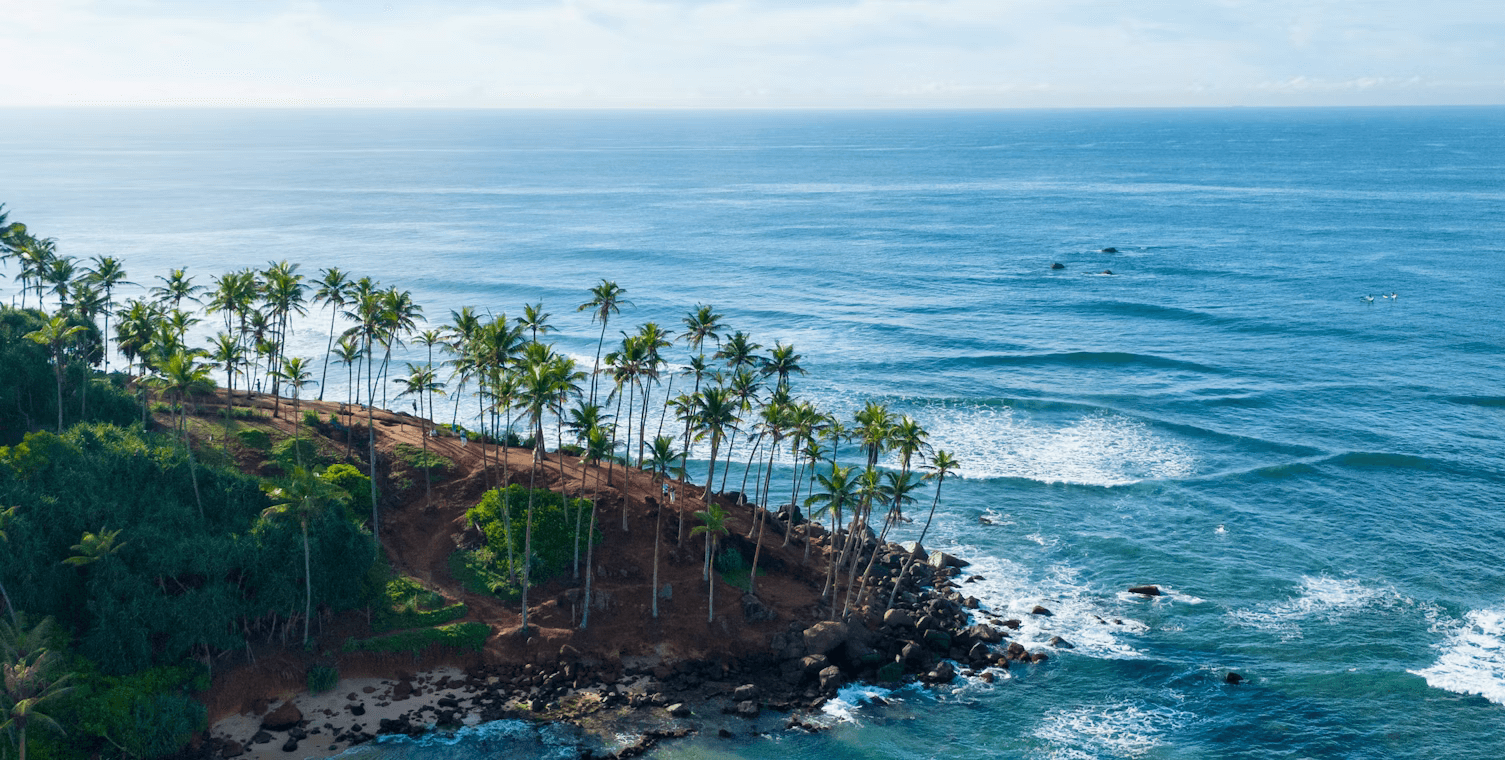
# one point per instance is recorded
(1315, 479)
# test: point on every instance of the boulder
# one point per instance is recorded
(1146, 590)
(891, 672)
(912, 652)
(830, 679)
(358, 709)
(1038, 610)
(984, 633)
(231, 749)
(898, 619)
(1060, 643)
(943, 673)
(745, 692)
(823, 638)
(1106, 271)
(1012, 625)
(978, 653)
(1109, 249)
(1233, 678)
(281, 719)
(261, 737)
(927, 623)
(755, 611)
(291, 745)
(814, 663)
(914, 549)
(748, 708)
(937, 639)
(402, 690)
(1057, 265)
(941, 559)
(679, 710)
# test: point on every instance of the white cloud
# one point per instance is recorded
(741, 53)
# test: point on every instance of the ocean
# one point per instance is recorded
(1315, 480)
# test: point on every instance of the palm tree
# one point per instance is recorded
(176, 287)
(93, 547)
(335, 289)
(179, 375)
(941, 465)
(461, 336)
(59, 273)
(606, 300)
(296, 373)
(284, 296)
(839, 487)
(895, 492)
(303, 497)
(714, 527)
(651, 339)
(108, 273)
(56, 334)
(701, 325)
(30, 679)
(348, 352)
(874, 427)
(225, 351)
(535, 319)
(782, 361)
(715, 412)
(422, 382)
(660, 464)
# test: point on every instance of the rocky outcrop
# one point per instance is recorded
(283, 718)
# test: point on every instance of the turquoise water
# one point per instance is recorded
(1318, 481)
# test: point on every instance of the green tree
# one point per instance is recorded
(296, 373)
(660, 462)
(941, 465)
(302, 498)
(713, 525)
(181, 376)
(606, 300)
(422, 382)
(31, 678)
(93, 547)
(56, 334)
(334, 289)
(108, 273)
(6, 515)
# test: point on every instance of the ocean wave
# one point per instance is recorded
(497, 738)
(1473, 657)
(1489, 401)
(1082, 359)
(1322, 598)
(1122, 729)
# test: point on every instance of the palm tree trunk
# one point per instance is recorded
(308, 585)
(328, 350)
(711, 475)
(658, 532)
(918, 543)
(11, 611)
(193, 474)
(590, 552)
(57, 372)
(371, 441)
(596, 368)
(711, 604)
(528, 550)
(643, 424)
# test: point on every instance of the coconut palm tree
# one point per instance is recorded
(93, 547)
(897, 491)
(715, 412)
(535, 320)
(302, 498)
(702, 324)
(334, 289)
(283, 295)
(460, 335)
(181, 376)
(31, 678)
(176, 287)
(606, 300)
(874, 426)
(226, 352)
(423, 382)
(941, 465)
(660, 463)
(56, 334)
(908, 438)
(297, 374)
(59, 273)
(108, 273)
(782, 362)
(713, 525)
(348, 352)
(838, 488)
(652, 339)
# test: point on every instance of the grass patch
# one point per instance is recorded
(421, 460)
(405, 604)
(476, 571)
(471, 636)
(256, 440)
(322, 678)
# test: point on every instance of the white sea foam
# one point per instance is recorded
(1081, 617)
(1101, 731)
(1473, 657)
(1095, 449)
(1321, 598)
(843, 707)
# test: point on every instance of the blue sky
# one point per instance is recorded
(749, 54)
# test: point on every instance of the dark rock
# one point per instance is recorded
(1038, 610)
(971, 603)
(978, 653)
(974, 579)
(755, 611)
(1146, 590)
(891, 672)
(1233, 678)
(898, 619)
(358, 709)
(402, 690)
(942, 560)
(912, 652)
(814, 663)
(822, 638)
(231, 749)
(943, 673)
(984, 633)
(1057, 265)
(261, 737)
(748, 708)
(679, 710)
(1106, 271)
(1012, 625)
(927, 623)
(1109, 249)
(937, 639)
(1060, 643)
(291, 745)
(830, 679)
(723, 733)
(449, 702)
(282, 718)
(1039, 657)
(745, 692)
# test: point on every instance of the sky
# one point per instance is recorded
(750, 53)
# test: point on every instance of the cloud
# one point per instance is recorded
(743, 53)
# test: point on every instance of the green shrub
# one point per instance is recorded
(409, 605)
(147, 714)
(572, 449)
(310, 419)
(421, 460)
(356, 484)
(470, 636)
(478, 572)
(322, 678)
(553, 528)
(255, 439)
(290, 451)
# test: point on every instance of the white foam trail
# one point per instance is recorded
(1115, 730)
(843, 707)
(1473, 657)
(1320, 598)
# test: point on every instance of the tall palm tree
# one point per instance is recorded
(652, 339)
(226, 352)
(713, 525)
(838, 489)
(348, 352)
(176, 287)
(874, 426)
(423, 382)
(660, 463)
(334, 289)
(31, 678)
(702, 324)
(464, 326)
(606, 300)
(896, 492)
(782, 362)
(180, 375)
(59, 273)
(298, 375)
(941, 465)
(302, 498)
(715, 412)
(283, 295)
(108, 273)
(56, 334)
(535, 320)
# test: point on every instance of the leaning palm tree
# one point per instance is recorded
(302, 498)
(606, 300)
(839, 488)
(660, 463)
(896, 492)
(335, 289)
(181, 376)
(941, 465)
(226, 352)
(714, 527)
(715, 412)
(56, 334)
(108, 274)
(32, 676)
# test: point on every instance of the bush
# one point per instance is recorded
(290, 451)
(356, 484)
(322, 678)
(421, 460)
(148, 714)
(406, 604)
(553, 528)
(478, 572)
(470, 636)
(255, 439)
(311, 419)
